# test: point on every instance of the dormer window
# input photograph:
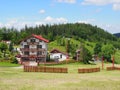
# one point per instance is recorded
(32, 40)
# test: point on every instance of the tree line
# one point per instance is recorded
(77, 31)
(51, 32)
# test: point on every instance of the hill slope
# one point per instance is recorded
(53, 32)
(117, 35)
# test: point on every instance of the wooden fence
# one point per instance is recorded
(45, 69)
(112, 68)
(88, 70)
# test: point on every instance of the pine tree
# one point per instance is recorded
(11, 47)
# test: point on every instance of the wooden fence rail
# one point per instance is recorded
(112, 68)
(45, 69)
(88, 70)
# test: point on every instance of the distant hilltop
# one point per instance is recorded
(117, 35)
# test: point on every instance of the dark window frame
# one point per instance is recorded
(32, 40)
(26, 46)
(26, 53)
(39, 46)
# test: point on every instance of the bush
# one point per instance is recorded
(14, 60)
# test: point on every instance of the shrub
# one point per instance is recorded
(14, 60)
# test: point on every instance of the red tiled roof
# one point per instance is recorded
(57, 51)
(40, 38)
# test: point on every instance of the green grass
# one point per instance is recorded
(13, 78)
(53, 45)
(90, 46)
(8, 64)
(117, 56)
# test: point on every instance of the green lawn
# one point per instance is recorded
(7, 64)
(13, 78)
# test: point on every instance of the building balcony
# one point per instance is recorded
(25, 56)
(41, 56)
(32, 43)
(33, 56)
(24, 49)
(32, 49)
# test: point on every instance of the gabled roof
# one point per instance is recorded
(57, 51)
(38, 37)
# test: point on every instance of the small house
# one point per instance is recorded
(58, 55)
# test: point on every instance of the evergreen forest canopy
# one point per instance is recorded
(77, 31)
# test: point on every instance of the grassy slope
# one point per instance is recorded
(53, 45)
(15, 79)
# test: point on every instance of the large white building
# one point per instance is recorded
(33, 49)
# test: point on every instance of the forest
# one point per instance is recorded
(57, 34)
(52, 32)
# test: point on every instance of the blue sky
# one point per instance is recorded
(18, 13)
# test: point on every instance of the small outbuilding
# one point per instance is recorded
(57, 55)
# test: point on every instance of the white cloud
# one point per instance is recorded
(52, 20)
(18, 23)
(96, 2)
(1, 25)
(61, 19)
(42, 11)
(116, 6)
(49, 19)
(82, 21)
(110, 28)
(114, 3)
(66, 1)
(88, 21)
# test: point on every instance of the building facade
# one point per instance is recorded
(58, 56)
(33, 49)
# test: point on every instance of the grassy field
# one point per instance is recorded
(13, 78)
(8, 64)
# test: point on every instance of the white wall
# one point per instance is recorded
(44, 45)
(53, 55)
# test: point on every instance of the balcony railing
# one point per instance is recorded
(25, 56)
(32, 43)
(33, 56)
(32, 49)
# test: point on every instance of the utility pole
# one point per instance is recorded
(113, 61)
(102, 62)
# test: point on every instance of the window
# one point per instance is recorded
(21, 44)
(39, 46)
(26, 53)
(32, 40)
(26, 46)
(39, 53)
(61, 56)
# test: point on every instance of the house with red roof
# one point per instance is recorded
(33, 50)
(57, 55)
